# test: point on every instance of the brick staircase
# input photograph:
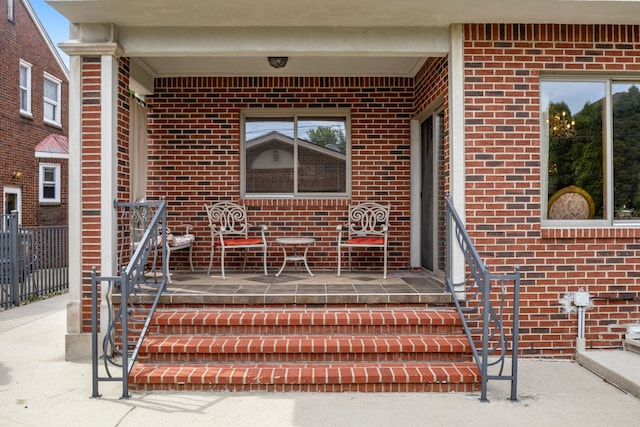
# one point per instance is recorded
(268, 348)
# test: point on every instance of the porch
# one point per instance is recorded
(291, 287)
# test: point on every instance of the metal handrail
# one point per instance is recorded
(136, 286)
(484, 324)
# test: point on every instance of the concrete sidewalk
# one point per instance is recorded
(37, 388)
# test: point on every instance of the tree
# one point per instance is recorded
(327, 135)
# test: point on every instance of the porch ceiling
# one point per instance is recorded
(321, 38)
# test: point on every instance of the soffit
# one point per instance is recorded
(321, 38)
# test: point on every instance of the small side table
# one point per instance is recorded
(295, 242)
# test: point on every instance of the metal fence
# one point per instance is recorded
(34, 261)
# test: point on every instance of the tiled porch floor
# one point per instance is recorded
(300, 288)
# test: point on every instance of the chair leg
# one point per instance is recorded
(211, 258)
(264, 260)
(222, 262)
(190, 258)
(168, 269)
(244, 261)
(339, 259)
(384, 276)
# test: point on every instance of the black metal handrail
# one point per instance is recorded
(138, 285)
(484, 324)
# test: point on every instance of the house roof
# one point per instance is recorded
(46, 38)
(278, 136)
(166, 38)
(53, 146)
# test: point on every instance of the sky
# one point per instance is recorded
(57, 26)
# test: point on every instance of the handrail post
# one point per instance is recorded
(124, 320)
(486, 319)
(94, 332)
(515, 334)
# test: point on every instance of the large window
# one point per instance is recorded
(49, 183)
(591, 150)
(296, 155)
(25, 88)
(52, 94)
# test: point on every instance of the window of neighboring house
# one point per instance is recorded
(52, 95)
(293, 154)
(591, 149)
(10, 16)
(49, 183)
(25, 88)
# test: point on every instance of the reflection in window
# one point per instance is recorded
(576, 114)
(295, 155)
(626, 149)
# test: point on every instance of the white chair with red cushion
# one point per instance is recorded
(230, 230)
(367, 227)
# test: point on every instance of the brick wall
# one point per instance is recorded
(194, 147)
(19, 135)
(503, 64)
(91, 178)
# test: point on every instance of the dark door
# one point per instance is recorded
(426, 203)
(431, 146)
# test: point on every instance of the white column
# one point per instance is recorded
(108, 175)
(76, 345)
(456, 138)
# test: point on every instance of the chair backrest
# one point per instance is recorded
(227, 218)
(368, 218)
(571, 203)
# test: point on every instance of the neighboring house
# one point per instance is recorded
(500, 104)
(34, 118)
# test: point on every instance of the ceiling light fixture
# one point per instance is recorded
(278, 61)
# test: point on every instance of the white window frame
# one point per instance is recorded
(10, 11)
(56, 103)
(25, 110)
(295, 114)
(609, 217)
(56, 182)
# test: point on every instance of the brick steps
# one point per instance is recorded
(367, 377)
(301, 348)
(354, 349)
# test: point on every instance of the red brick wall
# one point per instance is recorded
(194, 147)
(91, 178)
(503, 64)
(19, 135)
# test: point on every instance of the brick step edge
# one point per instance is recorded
(254, 317)
(295, 374)
(288, 344)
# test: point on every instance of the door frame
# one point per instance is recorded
(434, 110)
(7, 189)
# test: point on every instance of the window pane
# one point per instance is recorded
(24, 77)
(269, 155)
(24, 100)
(49, 191)
(321, 155)
(626, 150)
(49, 174)
(574, 112)
(50, 90)
(49, 111)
